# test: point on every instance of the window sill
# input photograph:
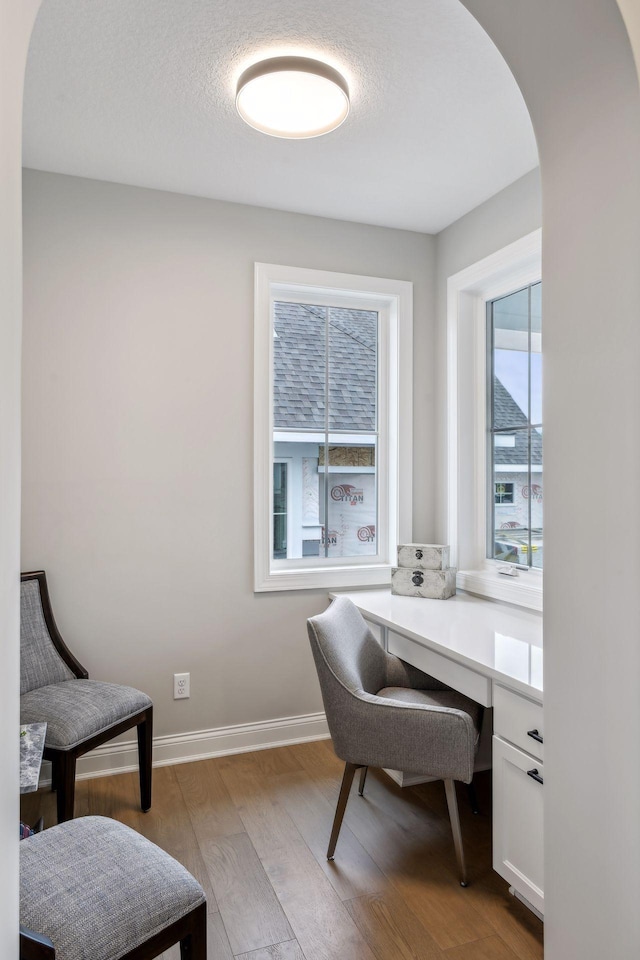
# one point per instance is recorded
(520, 590)
(326, 578)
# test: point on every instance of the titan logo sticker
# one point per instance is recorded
(346, 493)
(534, 492)
(367, 534)
(332, 538)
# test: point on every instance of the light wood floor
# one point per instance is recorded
(253, 828)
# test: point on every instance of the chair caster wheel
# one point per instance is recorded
(330, 858)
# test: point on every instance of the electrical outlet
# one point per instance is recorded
(181, 686)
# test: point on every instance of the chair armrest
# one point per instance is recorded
(415, 738)
(35, 946)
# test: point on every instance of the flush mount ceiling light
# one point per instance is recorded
(292, 97)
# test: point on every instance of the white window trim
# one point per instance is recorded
(468, 292)
(395, 297)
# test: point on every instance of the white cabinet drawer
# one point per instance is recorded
(518, 720)
(518, 821)
(466, 681)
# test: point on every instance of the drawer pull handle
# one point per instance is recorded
(535, 775)
(535, 735)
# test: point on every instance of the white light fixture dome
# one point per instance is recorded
(292, 97)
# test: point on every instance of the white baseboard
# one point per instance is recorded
(122, 757)
(519, 896)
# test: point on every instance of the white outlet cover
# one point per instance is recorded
(181, 686)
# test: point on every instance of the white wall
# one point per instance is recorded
(138, 436)
(511, 214)
(575, 67)
(16, 20)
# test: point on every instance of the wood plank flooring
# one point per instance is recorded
(254, 827)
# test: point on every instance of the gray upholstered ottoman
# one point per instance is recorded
(100, 891)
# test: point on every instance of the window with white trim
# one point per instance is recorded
(514, 427)
(502, 492)
(479, 496)
(332, 427)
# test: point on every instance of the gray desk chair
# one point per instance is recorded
(93, 889)
(80, 713)
(382, 712)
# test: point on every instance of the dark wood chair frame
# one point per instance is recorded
(63, 762)
(190, 931)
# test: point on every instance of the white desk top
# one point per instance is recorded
(497, 640)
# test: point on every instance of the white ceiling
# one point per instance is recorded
(142, 92)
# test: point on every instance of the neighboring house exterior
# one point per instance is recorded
(334, 404)
(324, 407)
(515, 492)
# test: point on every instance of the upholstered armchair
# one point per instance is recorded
(93, 888)
(382, 712)
(80, 713)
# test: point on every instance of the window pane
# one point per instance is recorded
(536, 353)
(503, 491)
(299, 374)
(518, 507)
(536, 308)
(302, 490)
(353, 361)
(331, 479)
(351, 501)
(511, 449)
(511, 359)
(279, 510)
(515, 497)
(536, 498)
(511, 514)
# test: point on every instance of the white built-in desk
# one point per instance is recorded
(493, 641)
(491, 652)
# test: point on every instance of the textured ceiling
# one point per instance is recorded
(142, 92)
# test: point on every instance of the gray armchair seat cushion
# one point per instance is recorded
(76, 710)
(98, 889)
(445, 699)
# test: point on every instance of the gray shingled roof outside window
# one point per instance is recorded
(299, 349)
(507, 413)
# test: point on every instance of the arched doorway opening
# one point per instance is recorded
(580, 84)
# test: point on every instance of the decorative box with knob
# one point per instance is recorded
(423, 571)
